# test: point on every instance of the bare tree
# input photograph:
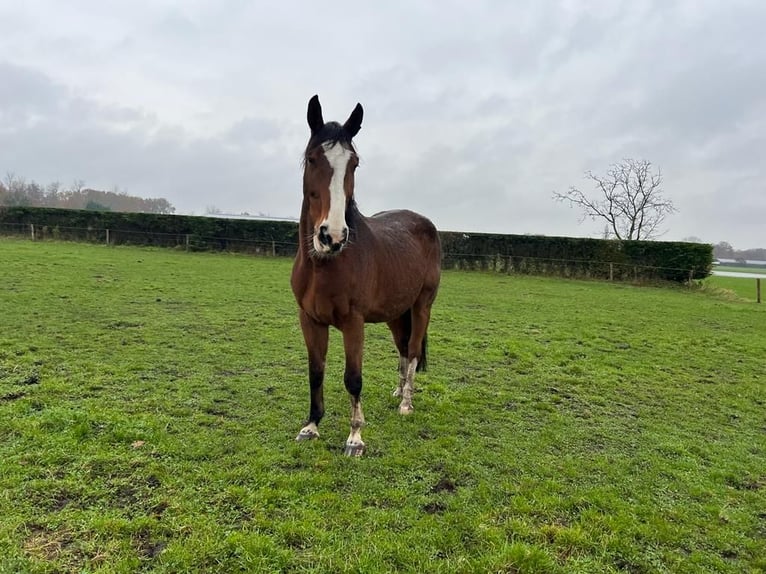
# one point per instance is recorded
(15, 190)
(77, 186)
(52, 194)
(629, 198)
(723, 249)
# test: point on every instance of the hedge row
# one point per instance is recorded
(566, 256)
(188, 231)
(579, 257)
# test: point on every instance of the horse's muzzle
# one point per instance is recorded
(330, 243)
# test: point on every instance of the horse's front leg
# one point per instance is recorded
(316, 336)
(353, 343)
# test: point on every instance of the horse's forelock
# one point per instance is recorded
(332, 133)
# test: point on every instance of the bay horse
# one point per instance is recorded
(351, 270)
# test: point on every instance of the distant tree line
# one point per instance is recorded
(724, 250)
(17, 191)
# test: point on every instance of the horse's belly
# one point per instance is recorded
(335, 311)
(391, 307)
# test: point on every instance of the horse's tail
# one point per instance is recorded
(423, 362)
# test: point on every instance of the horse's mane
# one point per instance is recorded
(353, 215)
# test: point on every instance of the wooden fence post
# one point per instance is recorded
(187, 242)
(611, 271)
(758, 289)
(107, 237)
(32, 229)
(273, 249)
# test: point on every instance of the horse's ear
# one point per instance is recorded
(354, 122)
(314, 115)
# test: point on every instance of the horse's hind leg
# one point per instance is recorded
(316, 337)
(421, 314)
(402, 376)
(400, 330)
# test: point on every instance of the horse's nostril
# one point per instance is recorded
(324, 236)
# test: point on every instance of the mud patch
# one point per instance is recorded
(444, 484)
(435, 507)
(12, 396)
(45, 544)
(147, 547)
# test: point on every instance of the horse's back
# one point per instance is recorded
(399, 223)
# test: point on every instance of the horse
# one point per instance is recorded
(351, 269)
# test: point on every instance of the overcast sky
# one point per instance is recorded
(475, 111)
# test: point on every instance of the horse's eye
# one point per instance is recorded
(310, 160)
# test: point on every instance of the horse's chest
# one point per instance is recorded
(325, 308)
(324, 301)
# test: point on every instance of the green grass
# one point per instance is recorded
(149, 401)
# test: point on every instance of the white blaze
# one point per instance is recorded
(338, 158)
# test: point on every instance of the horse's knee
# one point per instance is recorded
(353, 382)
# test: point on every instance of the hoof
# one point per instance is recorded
(307, 434)
(406, 409)
(354, 449)
(397, 392)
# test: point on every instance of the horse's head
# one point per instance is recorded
(328, 177)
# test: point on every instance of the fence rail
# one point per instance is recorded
(516, 264)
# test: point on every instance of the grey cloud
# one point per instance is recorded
(474, 113)
(23, 90)
(107, 146)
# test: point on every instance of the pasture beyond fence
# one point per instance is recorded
(741, 275)
(524, 254)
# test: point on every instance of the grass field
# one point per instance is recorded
(149, 401)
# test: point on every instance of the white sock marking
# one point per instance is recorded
(354, 439)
